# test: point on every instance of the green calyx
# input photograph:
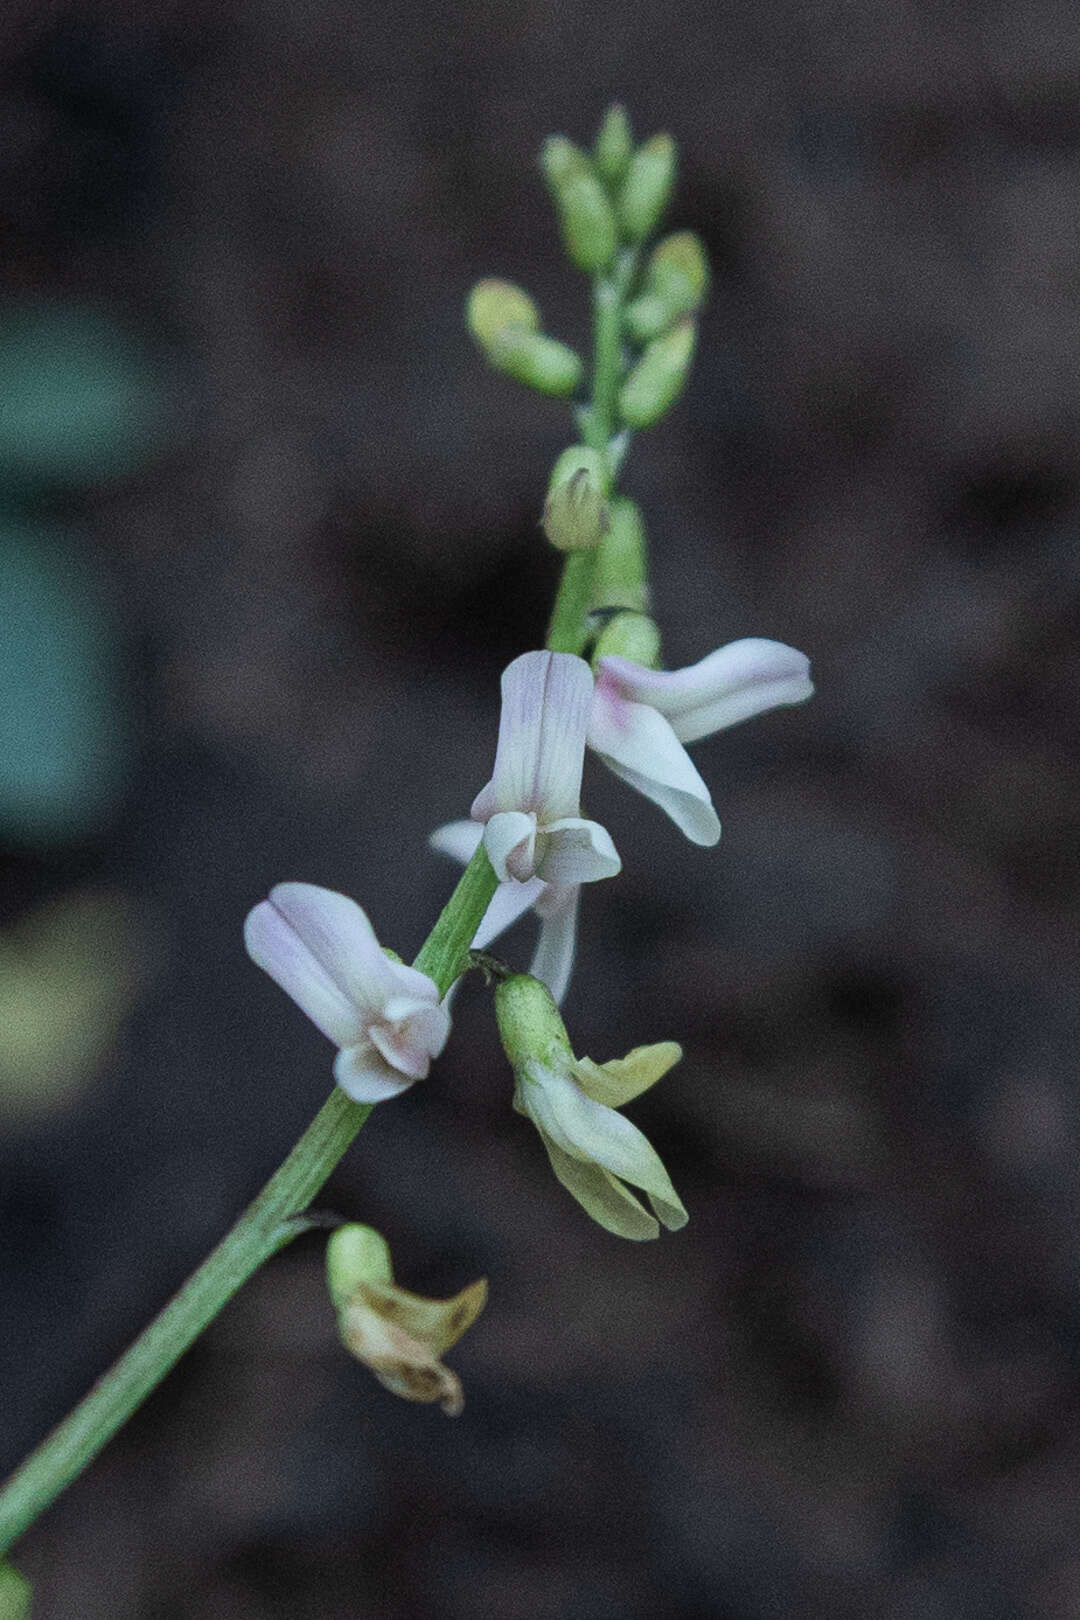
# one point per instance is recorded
(576, 516)
(621, 569)
(530, 1026)
(633, 636)
(355, 1254)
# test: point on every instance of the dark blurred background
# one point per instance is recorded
(267, 537)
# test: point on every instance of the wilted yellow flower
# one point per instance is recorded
(399, 1335)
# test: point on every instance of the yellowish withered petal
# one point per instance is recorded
(601, 1195)
(620, 1080)
(401, 1336)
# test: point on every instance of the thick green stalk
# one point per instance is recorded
(267, 1225)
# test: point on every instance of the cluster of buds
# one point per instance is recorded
(609, 202)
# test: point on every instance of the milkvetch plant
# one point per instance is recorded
(597, 685)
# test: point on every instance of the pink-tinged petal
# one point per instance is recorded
(364, 1074)
(510, 841)
(399, 1052)
(538, 760)
(338, 934)
(275, 946)
(732, 684)
(553, 961)
(577, 851)
(423, 1023)
(639, 745)
(458, 839)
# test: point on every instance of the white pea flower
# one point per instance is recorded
(530, 810)
(556, 907)
(386, 1018)
(641, 718)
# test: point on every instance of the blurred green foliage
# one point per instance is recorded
(14, 1594)
(77, 404)
(68, 976)
(63, 746)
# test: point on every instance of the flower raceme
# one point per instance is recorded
(574, 1104)
(384, 1017)
(640, 718)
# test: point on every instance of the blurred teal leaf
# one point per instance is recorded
(77, 400)
(14, 1594)
(62, 743)
(68, 976)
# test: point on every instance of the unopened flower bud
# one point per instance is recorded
(537, 361)
(576, 514)
(494, 305)
(620, 571)
(586, 216)
(561, 160)
(614, 146)
(676, 282)
(530, 1026)
(633, 636)
(15, 1594)
(659, 377)
(647, 187)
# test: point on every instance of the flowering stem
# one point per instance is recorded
(267, 1225)
(568, 631)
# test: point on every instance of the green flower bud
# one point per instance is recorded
(630, 635)
(530, 1027)
(614, 146)
(561, 161)
(537, 361)
(355, 1254)
(659, 377)
(494, 305)
(621, 569)
(647, 187)
(676, 282)
(14, 1594)
(588, 224)
(576, 514)
(585, 214)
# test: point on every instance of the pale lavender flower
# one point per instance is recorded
(530, 810)
(556, 907)
(641, 718)
(385, 1017)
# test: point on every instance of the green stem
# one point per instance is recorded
(609, 303)
(267, 1225)
(569, 631)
